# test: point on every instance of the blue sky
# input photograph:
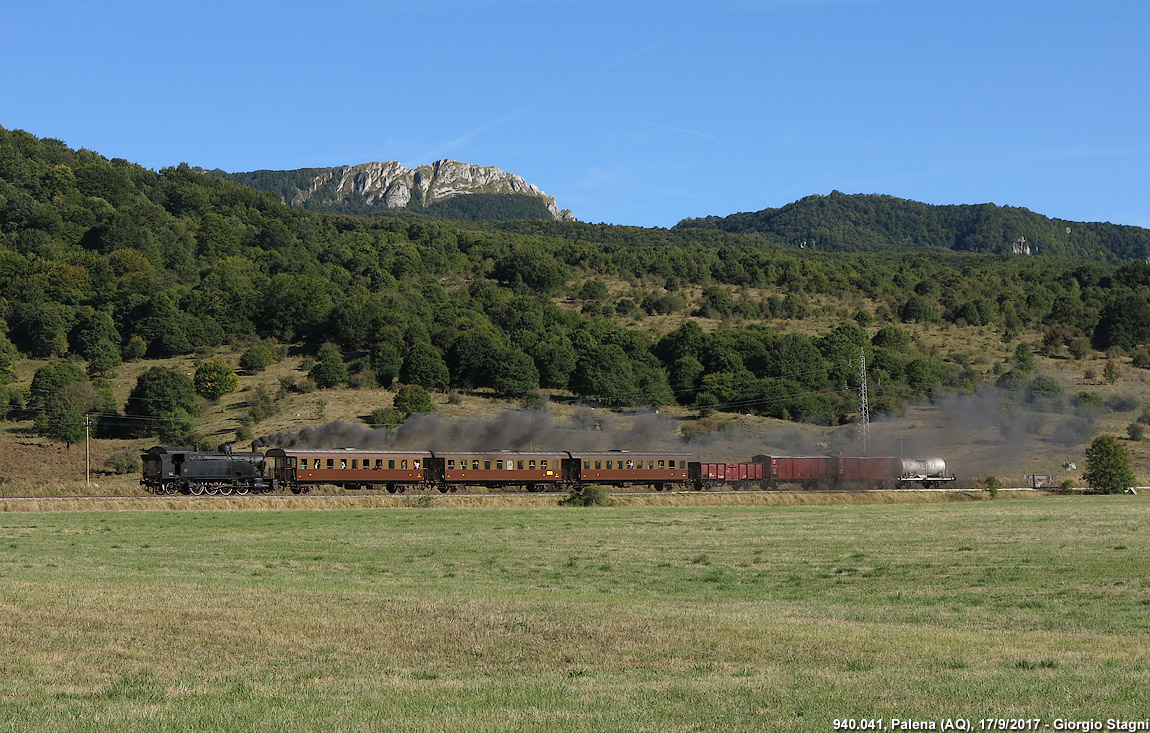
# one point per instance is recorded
(628, 112)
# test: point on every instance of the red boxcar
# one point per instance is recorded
(727, 475)
(806, 471)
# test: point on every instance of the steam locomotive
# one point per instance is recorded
(171, 470)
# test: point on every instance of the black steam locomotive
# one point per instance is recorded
(169, 470)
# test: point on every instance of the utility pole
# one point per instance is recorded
(87, 451)
(864, 408)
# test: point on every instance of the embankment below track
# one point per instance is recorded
(516, 501)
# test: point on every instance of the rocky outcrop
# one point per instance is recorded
(393, 185)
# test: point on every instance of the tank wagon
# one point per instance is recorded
(169, 470)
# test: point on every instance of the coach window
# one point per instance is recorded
(474, 464)
(415, 463)
(354, 464)
(682, 464)
(379, 464)
(661, 465)
(403, 464)
(487, 465)
(391, 463)
(343, 463)
(531, 465)
(521, 465)
(331, 463)
(543, 465)
(586, 464)
(598, 464)
(450, 464)
(499, 465)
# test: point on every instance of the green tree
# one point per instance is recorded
(554, 357)
(606, 373)
(513, 374)
(176, 427)
(8, 357)
(891, 337)
(1108, 465)
(1124, 322)
(1023, 359)
(103, 359)
(62, 422)
(386, 361)
(50, 380)
(411, 399)
(530, 267)
(425, 367)
(214, 379)
(90, 331)
(62, 417)
(161, 393)
(331, 370)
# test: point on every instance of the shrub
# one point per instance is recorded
(992, 485)
(122, 462)
(1136, 431)
(1079, 347)
(388, 418)
(1110, 371)
(259, 356)
(214, 379)
(262, 405)
(533, 400)
(135, 349)
(589, 496)
(411, 398)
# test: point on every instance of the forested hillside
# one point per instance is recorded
(841, 222)
(103, 261)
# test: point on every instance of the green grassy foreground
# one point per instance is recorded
(657, 619)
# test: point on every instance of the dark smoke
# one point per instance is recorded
(510, 430)
(990, 432)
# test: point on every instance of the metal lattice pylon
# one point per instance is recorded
(864, 408)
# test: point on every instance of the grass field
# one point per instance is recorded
(624, 618)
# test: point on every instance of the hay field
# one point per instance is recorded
(549, 619)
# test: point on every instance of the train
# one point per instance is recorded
(176, 470)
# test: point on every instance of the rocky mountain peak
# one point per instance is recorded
(393, 185)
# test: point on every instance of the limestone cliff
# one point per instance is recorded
(393, 185)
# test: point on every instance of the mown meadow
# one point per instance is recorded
(620, 618)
